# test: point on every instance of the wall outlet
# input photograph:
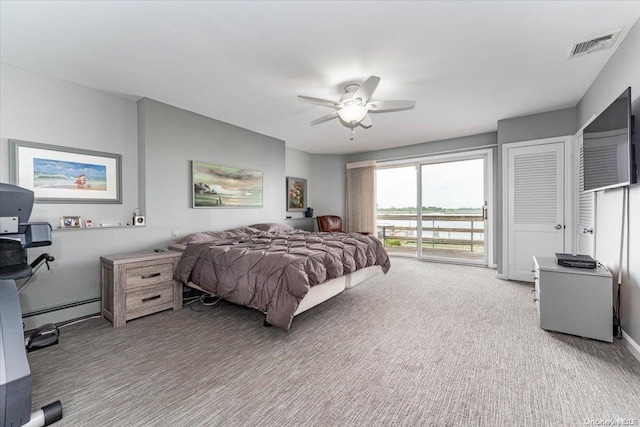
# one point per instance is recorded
(175, 234)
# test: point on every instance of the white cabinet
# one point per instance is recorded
(576, 301)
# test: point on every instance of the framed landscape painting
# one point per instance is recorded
(296, 194)
(66, 175)
(217, 186)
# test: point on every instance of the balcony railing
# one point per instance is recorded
(431, 234)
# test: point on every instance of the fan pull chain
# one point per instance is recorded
(353, 132)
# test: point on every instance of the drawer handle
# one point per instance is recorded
(150, 298)
(149, 276)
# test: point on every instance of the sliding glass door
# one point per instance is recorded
(397, 212)
(453, 210)
(436, 207)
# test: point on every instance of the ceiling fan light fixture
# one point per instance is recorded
(353, 113)
(354, 105)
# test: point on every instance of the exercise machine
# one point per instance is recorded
(16, 236)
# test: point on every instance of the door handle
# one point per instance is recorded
(586, 230)
(557, 226)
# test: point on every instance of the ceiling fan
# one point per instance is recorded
(356, 103)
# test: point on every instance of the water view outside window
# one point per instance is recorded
(452, 201)
(396, 200)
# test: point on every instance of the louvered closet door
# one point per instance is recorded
(585, 212)
(536, 206)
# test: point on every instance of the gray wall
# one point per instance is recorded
(622, 71)
(537, 126)
(328, 184)
(426, 148)
(526, 128)
(156, 152)
(298, 165)
(42, 109)
(326, 181)
(171, 138)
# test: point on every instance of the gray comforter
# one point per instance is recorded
(272, 272)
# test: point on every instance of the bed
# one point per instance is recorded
(276, 269)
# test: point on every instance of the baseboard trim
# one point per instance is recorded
(501, 276)
(631, 345)
(59, 314)
(59, 307)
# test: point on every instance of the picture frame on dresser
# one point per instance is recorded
(58, 174)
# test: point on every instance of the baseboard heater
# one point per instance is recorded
(59, 307)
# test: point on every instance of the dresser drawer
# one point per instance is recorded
(147, 301)
(140, 277)
(138, 284)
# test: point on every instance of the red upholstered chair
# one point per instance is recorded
(330, 223)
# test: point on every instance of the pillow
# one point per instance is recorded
(272, 227)
(208, 236)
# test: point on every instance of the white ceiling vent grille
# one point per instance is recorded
(593, 44)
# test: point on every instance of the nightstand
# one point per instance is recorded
(138, 284)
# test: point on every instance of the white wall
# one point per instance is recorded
(622, 71)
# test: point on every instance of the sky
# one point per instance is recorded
(447, 185)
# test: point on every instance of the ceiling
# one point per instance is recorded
(467, 64)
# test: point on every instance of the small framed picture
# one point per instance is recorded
(296, 194)
(88, 223)
(71, 222)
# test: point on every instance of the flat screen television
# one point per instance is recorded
(608, 150)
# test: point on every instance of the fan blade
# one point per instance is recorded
(325, 118)
(385, 106)
(366, 89)
(366, 122)
(318, 101)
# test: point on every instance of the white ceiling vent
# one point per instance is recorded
(595, 43)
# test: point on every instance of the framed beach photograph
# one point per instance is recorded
(66, 175)
(217, 186)
(296, 194)
(70, 222)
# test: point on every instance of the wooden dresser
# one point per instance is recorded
(138, 284)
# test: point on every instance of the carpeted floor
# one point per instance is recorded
(427, 344)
